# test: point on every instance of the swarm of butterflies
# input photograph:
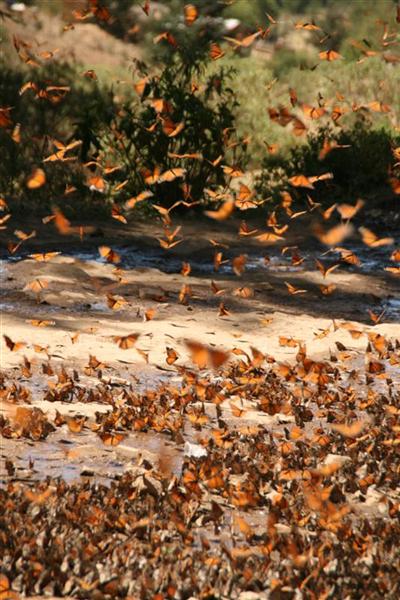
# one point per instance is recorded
(301, 503)
(310, 501)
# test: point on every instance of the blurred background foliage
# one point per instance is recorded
(236, 92)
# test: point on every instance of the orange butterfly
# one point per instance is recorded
(245, 42)
(172, 356)
(203, 356)
(44, 256)
(329, 55)
(191, 14)
(216, 51)
(370, 239)
(335, 235)
(127, 341)
(13, 346)
(36, 179)
(325, 270)
(224, 211)
(350, 431)
(111, 439)
(293, 290)
(110, 255)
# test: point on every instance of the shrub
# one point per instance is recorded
(360, 168)
(37, 118)
(125, 137)
(181, 110)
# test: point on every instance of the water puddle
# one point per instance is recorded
(372, 259)
(72, 457)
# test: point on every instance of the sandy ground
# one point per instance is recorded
(81, 323)
(75, 297)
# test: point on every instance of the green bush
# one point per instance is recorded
(133, 133)
(201, 105)
(361, 168)
(41, 117)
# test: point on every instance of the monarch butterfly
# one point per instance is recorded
(325, 270)
(203, 355)
(127, 341)
(110, 255)
(186, 269)
(111, 439)
(329, 55)
(13, 346)
(44, 256)
(246, 41)
(172, 356)
(301, 181)
(216, 52)
(223, 212)
(40, 323)
(36, 179)
(293, 290)
(313, 112)
(223, 311)
(335, 235)
(370, 239)
(269, 237)
(350, 431)
(239, 264)
(326, 290)
(37, 285)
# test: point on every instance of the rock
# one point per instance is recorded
(194, 450)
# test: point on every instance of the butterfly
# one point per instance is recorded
(131, 203)
(371, 239)
(328, 146)
(307, 26)
(62, 149)
(170, 128)
(348, 211)
(44, 256)
(269, 237)
(244, 199)
(335, 235)
(216, 51)
(172, 356)
(293, 290)
(244, 42)
(329, 55)
(110, 255)
(239, 264)
(190, 14)
(36, 179)
(116, 214)
(116, 302)
(395, 256)
(36, 285)
(203, 356)
(111, 439)
(168, 37)
(325, 270)
(376, 318)
(223, 311)
(350, 431)
(127, 341)
(225, 210)
(40, 323)
(186, 269)
(13, 346)
(326, 290)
